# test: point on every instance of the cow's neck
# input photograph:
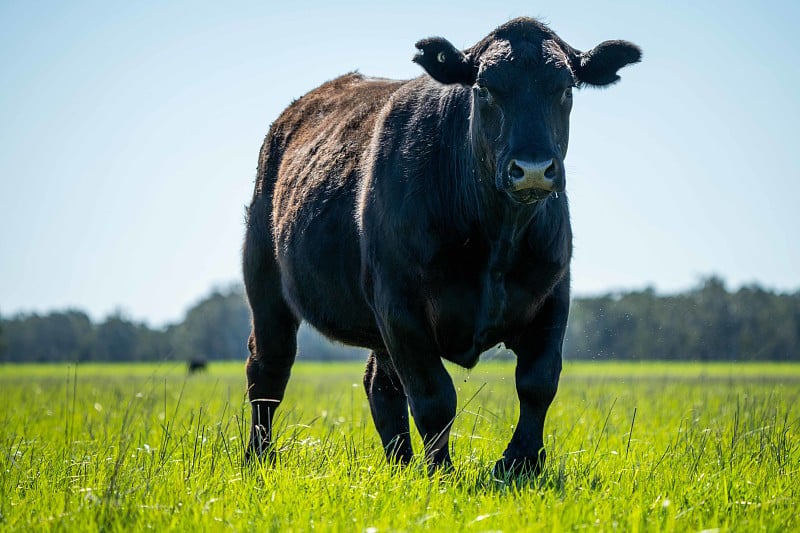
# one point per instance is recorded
(502, 223)
(506, 234)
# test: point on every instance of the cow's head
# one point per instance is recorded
(522, 77)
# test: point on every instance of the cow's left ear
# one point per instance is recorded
(444, 62)
(599, 66)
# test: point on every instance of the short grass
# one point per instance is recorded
(632, 447)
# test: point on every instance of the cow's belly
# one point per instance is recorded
(319, 258)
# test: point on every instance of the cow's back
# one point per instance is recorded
(308, 177)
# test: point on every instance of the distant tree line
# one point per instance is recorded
(215, 328)
(707, 323)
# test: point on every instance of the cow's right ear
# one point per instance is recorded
(444, 62)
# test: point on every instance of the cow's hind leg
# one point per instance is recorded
(389, 407)
(272, 343)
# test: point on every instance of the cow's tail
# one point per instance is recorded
(257, 252)
(269, 160)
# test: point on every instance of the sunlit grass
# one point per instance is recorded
(631, 446)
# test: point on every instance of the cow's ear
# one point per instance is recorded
(599, 66)
(444, 62)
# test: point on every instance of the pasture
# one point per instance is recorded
(631, 447)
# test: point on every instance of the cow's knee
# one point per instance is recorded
(537, 390)
(538, 385)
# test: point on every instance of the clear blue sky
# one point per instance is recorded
(129, 134)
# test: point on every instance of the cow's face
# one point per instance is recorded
(521, 100)
(522, 77)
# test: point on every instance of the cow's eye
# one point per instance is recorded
(483, 92)
(566, 95)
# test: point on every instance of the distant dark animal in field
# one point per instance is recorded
(196, 365)
(425, 220)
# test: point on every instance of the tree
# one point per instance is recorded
(2, 341)
(217, 327)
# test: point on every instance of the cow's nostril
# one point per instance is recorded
(515, 171)
(550, 172)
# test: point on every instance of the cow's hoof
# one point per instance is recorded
(518, 467)
(262, 452)
(443, 467)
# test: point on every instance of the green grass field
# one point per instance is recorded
(632, 447)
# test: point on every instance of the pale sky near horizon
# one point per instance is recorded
(129, 135)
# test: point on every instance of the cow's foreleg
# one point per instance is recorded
(389, 407)
(538, 350)
(431, 397)
(428, 387)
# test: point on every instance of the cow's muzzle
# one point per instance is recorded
(543, 177)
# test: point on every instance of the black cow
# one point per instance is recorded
(198, 364)
(425, 220)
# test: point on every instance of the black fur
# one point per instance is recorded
(444, 62)
(384, 216)
(196, 365)
(598, 66)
